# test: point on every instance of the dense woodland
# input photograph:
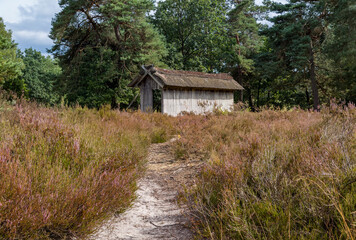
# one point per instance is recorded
(301, 53)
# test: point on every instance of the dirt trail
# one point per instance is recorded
(155, 213)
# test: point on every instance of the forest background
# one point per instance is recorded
(300, 53)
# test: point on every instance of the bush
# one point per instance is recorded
(62, 171)
(274, 175)
(268, 175)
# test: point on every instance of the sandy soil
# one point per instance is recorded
(155, 214)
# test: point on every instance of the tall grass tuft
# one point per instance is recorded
(274, 174)
(62, 171)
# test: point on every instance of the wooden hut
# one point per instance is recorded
(173, 92)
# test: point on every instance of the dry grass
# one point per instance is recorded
(274, 174)
(63, 171)
(267, 175)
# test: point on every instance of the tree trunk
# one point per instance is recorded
(258, 94)
(239, 69)
(114, 103)
(250, 101)
(313, 79)
(307, 96)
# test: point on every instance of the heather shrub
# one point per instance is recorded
(266, 175)
(274, 174)
(62, 171)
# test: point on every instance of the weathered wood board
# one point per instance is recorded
(198, 101)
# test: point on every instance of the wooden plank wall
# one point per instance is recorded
(197, 101)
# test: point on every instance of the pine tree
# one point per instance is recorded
(340, 47)
(296, 36)
(100, 45)
(243, 44)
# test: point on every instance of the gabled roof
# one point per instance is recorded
(187, 79)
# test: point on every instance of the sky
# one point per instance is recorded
(30, 21)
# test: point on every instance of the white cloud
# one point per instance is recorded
(10, 9)
(38, 37)
(30, 21)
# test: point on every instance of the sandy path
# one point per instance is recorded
(155, 213)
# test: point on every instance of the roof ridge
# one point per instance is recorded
(224, 76)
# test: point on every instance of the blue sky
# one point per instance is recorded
(30, 21)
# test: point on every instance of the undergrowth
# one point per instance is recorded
(274, 174)
(63, 171)
(266, 175)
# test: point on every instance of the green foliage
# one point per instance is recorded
(211, 36)
(10, 64)
(194, 33)
(100, 45)
(341, 49)
(304, 57)
(40, 75)
(294, 61)
(243, 28)
(245, 42)
(294, 40)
